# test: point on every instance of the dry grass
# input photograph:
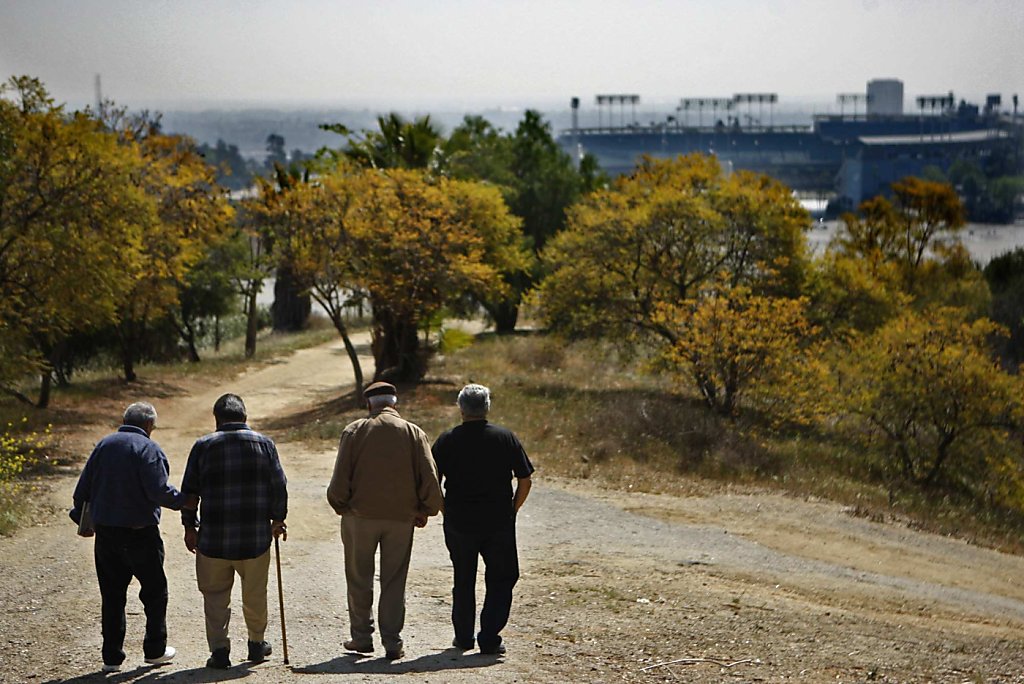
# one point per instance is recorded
(584, 411)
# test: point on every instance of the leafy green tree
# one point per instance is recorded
(206, 294)
(396, 144)
(544, 184)
(232, 171)
(476, 150)
(1005, 277)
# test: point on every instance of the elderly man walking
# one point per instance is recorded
(235, 477)
(384, 483)
(476, 462)
(124, 483)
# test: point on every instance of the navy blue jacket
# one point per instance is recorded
(125, 481)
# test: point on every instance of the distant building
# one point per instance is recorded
(875, 162)
(849, 156)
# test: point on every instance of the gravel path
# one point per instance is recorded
(772, 588)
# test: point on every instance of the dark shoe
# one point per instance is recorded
(219, 659)
(396, 654)
(461, 646)
(353, 645)
(258, 651)
(494, 650)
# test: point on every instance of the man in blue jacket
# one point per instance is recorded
(125, 484)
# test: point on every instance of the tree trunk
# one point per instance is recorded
(128, 364)
(291, 307)
(216, 333)
(45, 384)
(396, 349)
(190, 339)
(505, 317)
(252, 323)
(353, 357)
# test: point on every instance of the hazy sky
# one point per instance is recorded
(430, 53)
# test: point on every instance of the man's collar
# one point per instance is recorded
(231, 427)
(133, 428)
(384, 409)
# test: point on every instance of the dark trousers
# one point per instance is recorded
(501, 561)
(122, 553)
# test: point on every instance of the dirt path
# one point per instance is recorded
(778, 588)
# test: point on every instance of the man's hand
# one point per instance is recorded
(279, 529)
(191, 539)
(420, 521)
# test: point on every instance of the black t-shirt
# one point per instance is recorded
(476, 462)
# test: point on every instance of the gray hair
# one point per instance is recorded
(140, 414)
(379, 401)
(475, 400)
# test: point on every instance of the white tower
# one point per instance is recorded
(885, 97)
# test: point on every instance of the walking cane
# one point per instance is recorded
(280, 598)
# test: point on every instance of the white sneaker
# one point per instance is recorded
(165, 658)
(111, 668)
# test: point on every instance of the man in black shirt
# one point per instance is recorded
(476, 462)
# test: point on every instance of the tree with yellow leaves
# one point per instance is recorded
(193, 217)
(420, 245)
(929, 385)
(71, 220)
(731, 344)
(660, 236)
(406, 243)
(310, 225)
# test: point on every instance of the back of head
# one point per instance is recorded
(474, 401)
(141, 414)
(380, 394)
(379, 401)
(229, 409)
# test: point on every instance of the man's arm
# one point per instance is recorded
(279, 490)
(339, 491)
(190, 521)
(190, 487)
(428, 487)
(83, 490)
(523, 485)
(153, 475)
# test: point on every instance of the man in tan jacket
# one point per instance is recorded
(384, 483)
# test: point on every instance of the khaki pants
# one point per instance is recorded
(215, 577)
(361, 537)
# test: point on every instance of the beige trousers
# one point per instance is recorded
(215, 577)
(361, 538)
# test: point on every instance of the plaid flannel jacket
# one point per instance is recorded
(237, 475)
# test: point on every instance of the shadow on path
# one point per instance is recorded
(449, 659)
(149, 673)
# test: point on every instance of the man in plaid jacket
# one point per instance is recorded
(237, 502)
